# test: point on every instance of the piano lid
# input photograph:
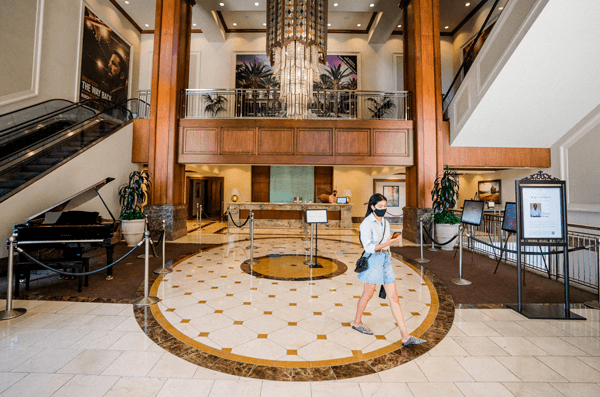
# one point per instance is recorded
(75, 201)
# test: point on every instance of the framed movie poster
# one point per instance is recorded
(105, 60)
(509, 221)
(472, 212)
(542, 212)
(489, 190)
(392, 194)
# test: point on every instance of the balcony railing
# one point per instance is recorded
(264, 103)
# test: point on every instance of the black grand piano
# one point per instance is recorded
(73, 232)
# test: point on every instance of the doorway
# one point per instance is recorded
(207, 192)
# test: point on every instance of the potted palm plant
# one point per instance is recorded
(444, 196)
(132, 196)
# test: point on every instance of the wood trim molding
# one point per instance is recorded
(126, 15)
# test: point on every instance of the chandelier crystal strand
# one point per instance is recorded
(296, 44)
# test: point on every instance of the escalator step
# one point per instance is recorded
(11, 184)
(34, 168)
(47, 161)
(25, 175)
(4, 191)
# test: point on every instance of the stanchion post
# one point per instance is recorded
(10, 312)
(251, 261)
(460, 280)
(311, 261)
(163, 269)
(421, 259)
(433, 249)
(228, 218)
(198, 215)
(592, 304)
(146, 300)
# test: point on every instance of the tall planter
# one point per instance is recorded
(444, 232)
(132, 196)
(133, 231)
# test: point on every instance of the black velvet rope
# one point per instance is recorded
(243, 224)
(437, 242)
(529, 252)
(214, 220)
(77, 274)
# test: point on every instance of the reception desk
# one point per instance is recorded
(290, 214)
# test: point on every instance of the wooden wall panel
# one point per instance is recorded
(315, 142)
(238, 141)
(390, 143)
(261, 184)
(141, 131)
(323, 181)
(276, 141)
(200, 140)
(353, 142)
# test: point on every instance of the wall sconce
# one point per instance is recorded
(234, 194)
(348, 194)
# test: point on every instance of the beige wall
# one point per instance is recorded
(61, 53)
(235, 176)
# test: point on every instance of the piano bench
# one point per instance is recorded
(24, 269)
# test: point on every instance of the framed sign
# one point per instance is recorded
(542, 212)
(472, 212)
(316, 216)
(509, 221)
(392, 193)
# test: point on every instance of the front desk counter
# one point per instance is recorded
(290, 214)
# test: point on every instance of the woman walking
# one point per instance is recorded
(376, 239)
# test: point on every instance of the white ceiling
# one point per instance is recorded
(548, 85)
(346, 16)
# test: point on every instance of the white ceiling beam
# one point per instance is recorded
(384, 25)
(208, 22)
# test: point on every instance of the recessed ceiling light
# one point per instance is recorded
(126, 2)
(335, 4)
(234, 24)
(256, 4)
(221, 4)
(500, 8)
(399, 26)
(264, 24)
(328, 24)
(446, 27)
(194, 24)
(146, 25)
(371, 5)
(358, 24)
(468, 4)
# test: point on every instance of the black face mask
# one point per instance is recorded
(379, 213)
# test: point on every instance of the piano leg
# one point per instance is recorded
(109, 259)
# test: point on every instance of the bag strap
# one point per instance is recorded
(382, 236)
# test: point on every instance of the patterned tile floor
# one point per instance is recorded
(211, 300)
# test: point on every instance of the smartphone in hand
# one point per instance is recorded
(396, 235)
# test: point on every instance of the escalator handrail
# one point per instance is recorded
(37, 104)
(32, 150)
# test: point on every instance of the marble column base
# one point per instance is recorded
(174, 214)
(410, 226)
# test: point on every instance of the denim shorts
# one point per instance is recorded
(379, 270)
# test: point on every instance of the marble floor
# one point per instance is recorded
(99, 349)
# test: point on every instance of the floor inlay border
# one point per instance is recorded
(341, 268)
(434, 328)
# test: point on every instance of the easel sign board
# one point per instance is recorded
(316, 216)
(542, 212)
(472, 212)
(509, 221)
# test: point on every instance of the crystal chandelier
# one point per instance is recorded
(296, 43)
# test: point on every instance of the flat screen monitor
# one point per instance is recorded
(473, 212)
(316, 216)
(509, 221)
(342, 200)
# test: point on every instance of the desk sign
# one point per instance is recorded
(316, 216)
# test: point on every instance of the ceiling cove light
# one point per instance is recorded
(296, 44)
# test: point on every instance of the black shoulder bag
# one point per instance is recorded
(361, 263)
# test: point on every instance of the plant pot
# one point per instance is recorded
(444, 232)
(133, 231)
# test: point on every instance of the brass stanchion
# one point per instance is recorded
(10, 312)
(146, 300)
(164, 269)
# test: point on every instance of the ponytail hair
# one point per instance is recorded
(377, 197)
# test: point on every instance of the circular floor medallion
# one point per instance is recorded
(292, 268)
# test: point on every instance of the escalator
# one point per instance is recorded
(36, 146)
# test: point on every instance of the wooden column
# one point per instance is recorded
(423, 78)
(170, 70)
(422, 74)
